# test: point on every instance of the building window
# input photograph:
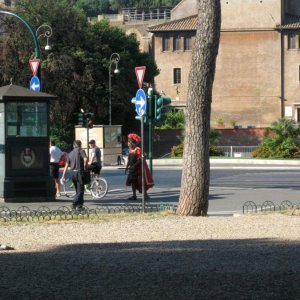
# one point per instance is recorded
(176, 75)
(26, 119)
(176, 43)
(187, 43)
(166, 43)
(293, 41)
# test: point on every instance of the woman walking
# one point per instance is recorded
(134, 168)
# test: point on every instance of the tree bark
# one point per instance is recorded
(194, 192)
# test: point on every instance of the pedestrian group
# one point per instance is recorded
(78, 163)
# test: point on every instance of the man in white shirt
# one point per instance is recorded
(55, 155)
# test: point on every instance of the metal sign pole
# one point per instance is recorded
(87, 143)
(142, 156)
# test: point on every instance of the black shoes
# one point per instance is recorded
(77, 207)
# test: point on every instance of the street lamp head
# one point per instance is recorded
(48, 47)
(44, 31)
(116, 71)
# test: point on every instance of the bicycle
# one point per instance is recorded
(98, 187)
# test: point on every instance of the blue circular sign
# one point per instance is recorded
(140, 102)
(35, 84)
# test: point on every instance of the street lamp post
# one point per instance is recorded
(44, 31)
(35, 40)
(114, 59)
(34, 35)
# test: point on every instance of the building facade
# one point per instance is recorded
(7, 3)
(257, 78)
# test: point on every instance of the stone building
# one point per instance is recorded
(136, 21)
(257, 77)
(7, 3)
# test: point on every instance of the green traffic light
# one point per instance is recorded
(80, 119)
(159, 104)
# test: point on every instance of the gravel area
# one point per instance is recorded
(245, 257)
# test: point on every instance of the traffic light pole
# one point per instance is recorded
(87, 142)
(150, 128)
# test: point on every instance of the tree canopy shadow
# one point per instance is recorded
(195, 269)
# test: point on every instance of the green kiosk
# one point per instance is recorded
(24, 146)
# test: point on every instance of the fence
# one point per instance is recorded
(24, 213)
(268, 206)
(238, 151)
(146, 15)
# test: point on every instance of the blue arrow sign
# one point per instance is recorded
(140, 102)
(35, 84)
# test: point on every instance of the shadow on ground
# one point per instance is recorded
(209, 269)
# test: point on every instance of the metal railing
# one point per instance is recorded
(268, 206)
(238, 151)
(146, 15)
(25, 214)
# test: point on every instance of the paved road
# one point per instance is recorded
(231, 186)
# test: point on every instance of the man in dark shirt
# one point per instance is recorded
(77, 161)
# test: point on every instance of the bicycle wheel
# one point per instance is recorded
(99, 188)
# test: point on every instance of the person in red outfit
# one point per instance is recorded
(134, 168)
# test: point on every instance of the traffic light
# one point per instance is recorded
(159, 103)
(89, 120)
(81, 119)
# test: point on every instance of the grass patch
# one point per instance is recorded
(86, 218)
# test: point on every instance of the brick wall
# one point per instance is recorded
(241, 137)
(164, 140)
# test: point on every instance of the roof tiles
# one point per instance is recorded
(185, 24)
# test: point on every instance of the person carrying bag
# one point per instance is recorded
(77, 161)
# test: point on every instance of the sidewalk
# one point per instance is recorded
(236, 163)
(231, 161)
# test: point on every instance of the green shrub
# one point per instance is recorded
(215, 151)
(283, 144)
(177, 151)
(173, 119)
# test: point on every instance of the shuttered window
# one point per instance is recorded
(176, 75)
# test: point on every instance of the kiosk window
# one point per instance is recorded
(26, 119)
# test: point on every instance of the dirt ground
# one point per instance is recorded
(247, 257)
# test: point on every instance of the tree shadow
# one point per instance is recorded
(195, 269)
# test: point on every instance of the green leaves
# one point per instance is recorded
(282, 142)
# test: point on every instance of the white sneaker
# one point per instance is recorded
(58, 195)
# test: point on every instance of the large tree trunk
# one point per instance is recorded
(194, 192)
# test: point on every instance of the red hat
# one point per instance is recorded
(134, 137)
